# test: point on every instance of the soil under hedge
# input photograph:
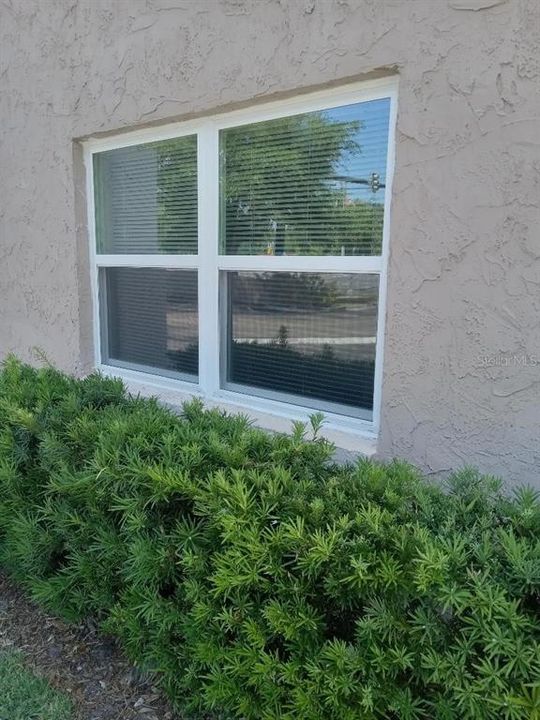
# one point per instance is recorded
(78, 661)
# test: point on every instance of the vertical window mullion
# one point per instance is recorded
(208, 193)
(94, 273)
(385, 252)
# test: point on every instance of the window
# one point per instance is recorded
(243, 256)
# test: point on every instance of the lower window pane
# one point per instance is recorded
(150, 320)
(307, 338)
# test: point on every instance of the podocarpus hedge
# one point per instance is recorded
(257, 578)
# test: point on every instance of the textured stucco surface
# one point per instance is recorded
(462, 353)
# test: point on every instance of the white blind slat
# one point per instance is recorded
(146, 198)
(309, 335)
(151, 318)
(310, 184)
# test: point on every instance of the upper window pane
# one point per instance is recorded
(146, 198)
(310, 184)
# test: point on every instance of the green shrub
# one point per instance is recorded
(257, 577)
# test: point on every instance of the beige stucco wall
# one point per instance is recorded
(462, 354)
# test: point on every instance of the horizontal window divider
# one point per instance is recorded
(158, 261)
(293, 412)
(176, 391)
(142, 136)
(292, 263)
(177, 383)
(308, 405)
(325, 99)
(148, 370)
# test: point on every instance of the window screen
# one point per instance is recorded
(305, 337)
(150, 319)
(310, 184)
(146, 198)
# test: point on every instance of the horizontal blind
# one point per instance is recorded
(150, 319)
(310, 184)
(307, 335)
(146, 198)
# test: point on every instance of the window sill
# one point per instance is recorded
(347, 433)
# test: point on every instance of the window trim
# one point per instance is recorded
(210, 262)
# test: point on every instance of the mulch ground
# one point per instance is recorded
(79, 662)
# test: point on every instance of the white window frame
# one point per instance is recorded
(348, 432)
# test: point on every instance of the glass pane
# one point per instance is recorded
(304, 337)
(146, 198)
(311, 184)
(150, 320)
